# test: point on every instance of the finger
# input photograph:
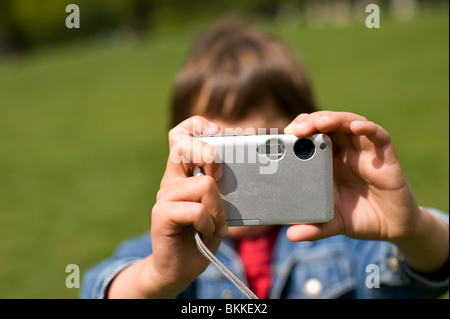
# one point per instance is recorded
(374, 132)
(188, 151)
(290, 128)
(178, 215)
(336, 124)
(301, 118)
(196, 125)
(201, 189)
(310, 232)
(325, 122)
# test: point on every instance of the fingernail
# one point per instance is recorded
(211, 124)
(217, 174)
(356, 123)
(289, 129)
(211, 131)
(301, 126)
(322, 119)
(223, 231)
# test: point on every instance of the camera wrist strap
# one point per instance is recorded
(198, 171)
(227, 273)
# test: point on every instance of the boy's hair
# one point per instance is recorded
(233, 61)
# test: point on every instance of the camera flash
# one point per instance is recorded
(272, 149)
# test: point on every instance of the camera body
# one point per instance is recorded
(275, 179)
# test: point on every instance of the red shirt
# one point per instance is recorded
(256, 255)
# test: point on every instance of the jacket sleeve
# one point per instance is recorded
(97, 279)
(384, 274)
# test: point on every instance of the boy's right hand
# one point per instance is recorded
(186, 203)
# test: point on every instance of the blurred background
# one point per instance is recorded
(84, 112)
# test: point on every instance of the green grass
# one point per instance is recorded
(83, 133)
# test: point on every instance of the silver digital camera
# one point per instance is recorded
(275, 179)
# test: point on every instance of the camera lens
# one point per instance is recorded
(304, 148)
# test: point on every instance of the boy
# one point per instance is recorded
(238, 78)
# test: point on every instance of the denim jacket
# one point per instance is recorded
(335, 267)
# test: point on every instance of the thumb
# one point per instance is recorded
(310, 232)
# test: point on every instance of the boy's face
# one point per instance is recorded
(267, 116)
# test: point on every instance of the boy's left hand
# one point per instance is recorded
(372, 197)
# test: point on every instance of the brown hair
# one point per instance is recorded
(237, 62)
